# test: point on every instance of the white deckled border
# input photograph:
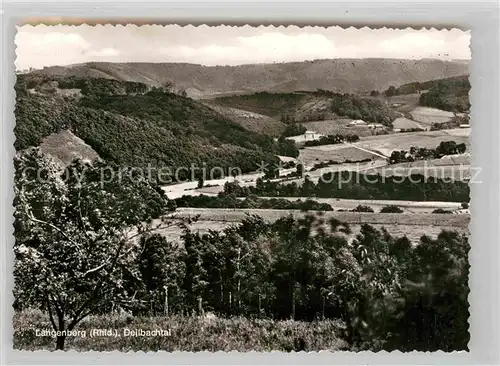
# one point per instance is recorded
(481, 17)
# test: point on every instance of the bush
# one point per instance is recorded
(391, 209)
(441, 211)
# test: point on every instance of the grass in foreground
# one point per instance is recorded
(186, 334)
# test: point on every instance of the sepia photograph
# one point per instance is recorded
(241, 188)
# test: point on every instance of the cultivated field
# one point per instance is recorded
(338, 152)
(406, 102)
(402, 123)
(236, 215)
(413, 225)
(251, 121)
(187, 333)
(340, 127)
(386, 144)
(427, 116)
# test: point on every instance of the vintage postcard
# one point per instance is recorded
(216, 188)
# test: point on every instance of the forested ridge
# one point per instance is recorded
(167, 129)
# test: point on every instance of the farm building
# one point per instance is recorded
(376, 125)
(310, 135)
(357, 122)
(465, 125)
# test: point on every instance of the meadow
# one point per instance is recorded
(427, 116)
(411, 224)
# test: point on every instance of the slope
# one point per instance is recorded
(311, 106)
(157, 128)
(342, 75)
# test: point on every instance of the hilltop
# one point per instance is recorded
(341, 75)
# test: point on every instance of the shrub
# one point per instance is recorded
(363, 208)
(391, 209)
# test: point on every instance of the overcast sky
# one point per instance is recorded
(224, 45)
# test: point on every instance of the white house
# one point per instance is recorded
(357, 122)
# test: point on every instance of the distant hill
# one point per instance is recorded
(341, 75)
(127, 125)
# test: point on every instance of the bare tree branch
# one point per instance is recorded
(34, 219)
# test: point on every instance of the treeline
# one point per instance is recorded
(332, 139)
(293, 129)
(325, 164)
(415, 153)
(353, 185)
(232, 201)
(87, 86)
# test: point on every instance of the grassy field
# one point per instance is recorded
(251, 121)
(412, 231)
(187, 333)
(427, 116)
(338, 126)
(403, 122)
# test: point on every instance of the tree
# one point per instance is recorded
(76, 236)
(200, 181)
(271, 172)
(391, 91)
(161, 271)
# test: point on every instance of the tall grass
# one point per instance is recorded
(187, 334)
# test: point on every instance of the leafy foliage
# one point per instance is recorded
(74, 237)
(269, 104)
(332, 139)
